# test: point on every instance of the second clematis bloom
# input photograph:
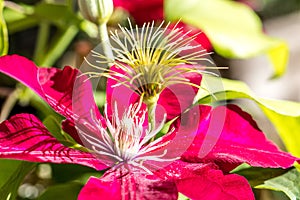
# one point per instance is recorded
(138, 166)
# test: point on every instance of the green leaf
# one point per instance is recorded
(285, 115)
(58, 14)
(100, 98)
(289, 183)
(19, 18)
(54, 127)
(62, 173)
(12, 174)
(67, 191)
(234, 30)
(257, 175)
(59, 45)
(3, 32)
(182, 197)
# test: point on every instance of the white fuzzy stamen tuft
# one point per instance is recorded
(125, 140)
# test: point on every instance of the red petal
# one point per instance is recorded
(205, 181)
(53, 85)
(177, 98)
(24, 137)
(69, 127)
(68, 93)
(120, 94)
(229, 137)
(22, 70)
(97, 188)
(125, 185)
(173, 100)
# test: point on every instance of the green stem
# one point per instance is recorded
(61, 42)
(70, 4)
(3, 33)
(9, 104)
(104, 39)
(40, 48)
(151, 106)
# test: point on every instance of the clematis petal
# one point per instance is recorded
(178, 97)
(173, 100)
(68, 93)
(238, 140)
(22, 70)
(24, 137)
(53, 85)
(97, 188)
(125, 185)
(120, 94)
(205, 181)
(69, 127)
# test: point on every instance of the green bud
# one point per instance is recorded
(96, 11)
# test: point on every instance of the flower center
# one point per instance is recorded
(151, 58)
(125, 140)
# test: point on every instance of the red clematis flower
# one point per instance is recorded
(132, 161)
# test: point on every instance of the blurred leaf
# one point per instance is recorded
(85, 177)
(182, 197)
(289, 183)
(59, 45)
(233, 28)
(257, 175)
(285, 115)
(3, 32)
(12, 174)
(100, 98)
(54, 127)
(62, 173)
(59, 14)
(275, 8)
(19, 18)
(67, 191)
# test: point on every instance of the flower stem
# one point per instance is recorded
(151, 106)
(9, 104)
(104, 39)
(42, 40)
(151, 103)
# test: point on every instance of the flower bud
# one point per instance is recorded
(96, 11)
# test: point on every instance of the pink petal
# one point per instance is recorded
(68, 93)
(125, 185)
(22, 70)
(177, 98)
(205, 181)
(69, 127)
(53, 85)
(24, 137)
(229, 137)
(173, 100)
(120, 94)
(97, 188)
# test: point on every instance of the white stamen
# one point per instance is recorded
(124, 140)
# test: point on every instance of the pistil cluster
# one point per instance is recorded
(125, 139)
(151, 58)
